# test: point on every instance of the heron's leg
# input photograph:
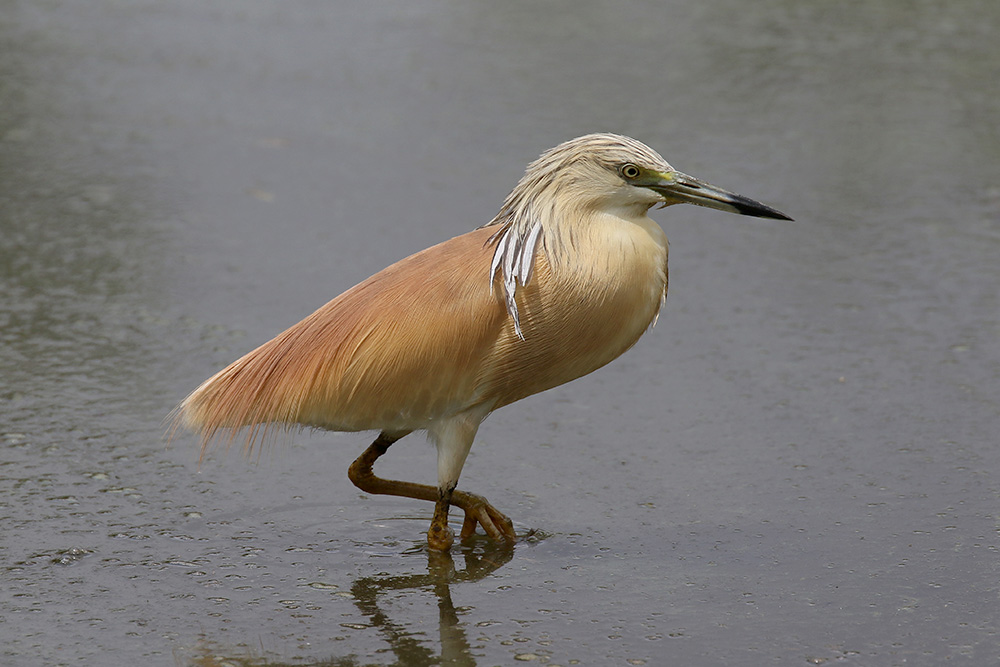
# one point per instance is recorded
(439, 537)
(364, 478)
(453, 437)
(477, 509)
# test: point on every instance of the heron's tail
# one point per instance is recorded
(255, 395)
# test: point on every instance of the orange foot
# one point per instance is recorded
(478, 511)
(440, 536)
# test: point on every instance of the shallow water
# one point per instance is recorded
(798, 465)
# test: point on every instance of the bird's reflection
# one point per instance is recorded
(481, 559)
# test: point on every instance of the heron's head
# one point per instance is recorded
(613, 172)
(597, 174)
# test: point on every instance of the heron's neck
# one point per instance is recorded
(600, 232)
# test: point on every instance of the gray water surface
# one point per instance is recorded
(798, 465)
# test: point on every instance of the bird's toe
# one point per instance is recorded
(479, 512)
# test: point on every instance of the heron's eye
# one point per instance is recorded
(630, 171)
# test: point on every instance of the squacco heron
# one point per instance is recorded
(564, 279)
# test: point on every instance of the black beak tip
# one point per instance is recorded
(758, 210)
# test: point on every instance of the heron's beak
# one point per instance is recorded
(677, 188)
